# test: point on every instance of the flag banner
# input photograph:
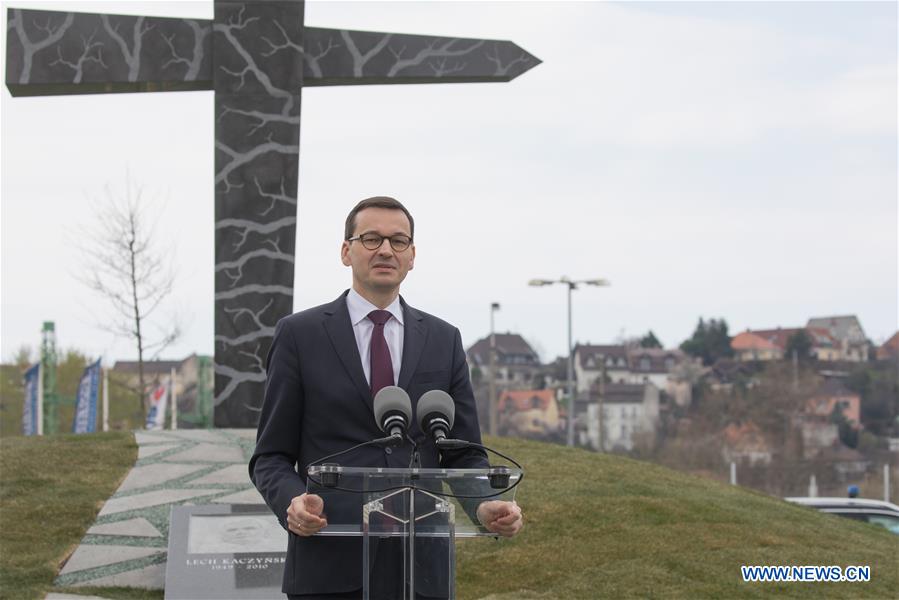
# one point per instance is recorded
(30, 410)
(158, 399)
(86, 402)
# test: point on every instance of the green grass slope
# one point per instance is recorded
(599, 526)
(51, 489)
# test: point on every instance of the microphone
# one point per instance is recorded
(436, 412)
(393, 412)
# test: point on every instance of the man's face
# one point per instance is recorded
(384, 269)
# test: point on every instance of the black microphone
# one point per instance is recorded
(436, 412)
(393, 412)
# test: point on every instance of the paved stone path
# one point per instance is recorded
(127, 544)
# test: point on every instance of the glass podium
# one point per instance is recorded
(409, 520)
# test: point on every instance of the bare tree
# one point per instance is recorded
(126, 266)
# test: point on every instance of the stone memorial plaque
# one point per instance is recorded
(224, 551)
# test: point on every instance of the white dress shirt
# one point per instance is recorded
(359, 308)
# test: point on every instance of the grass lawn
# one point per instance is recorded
(597, 526)
(600, 526)
(51, 489)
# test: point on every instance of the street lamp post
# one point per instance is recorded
(572, 285)
(494, 306)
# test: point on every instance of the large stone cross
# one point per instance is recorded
(257, 56)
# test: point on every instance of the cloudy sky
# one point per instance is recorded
(734, 160)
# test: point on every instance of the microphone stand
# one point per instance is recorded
(415, 460)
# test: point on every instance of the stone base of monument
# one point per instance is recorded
(219, 552)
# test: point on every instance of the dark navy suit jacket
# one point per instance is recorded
(318, 402)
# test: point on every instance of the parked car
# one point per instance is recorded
(878, 512)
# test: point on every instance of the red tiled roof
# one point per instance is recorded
(523, 400)
(890, 348)
(778, 338)
(749, 340)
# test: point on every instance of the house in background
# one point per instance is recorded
(517, 364)
(654, 365)
(848, 332)
(849, 463)
(771, 344)
(832, 396)
(591, 360)
(631, 365)
(529, 413)
(816, 422)
(629, 411)
(745, 442)
(817, 435)
(890, 349)
(748, 346)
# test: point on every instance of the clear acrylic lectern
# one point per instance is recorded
(409, 520)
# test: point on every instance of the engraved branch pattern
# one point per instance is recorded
(87, 55)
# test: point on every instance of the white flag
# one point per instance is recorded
(158, 400)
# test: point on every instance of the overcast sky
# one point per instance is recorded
(734, 160)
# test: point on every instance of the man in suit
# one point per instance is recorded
(324, 368)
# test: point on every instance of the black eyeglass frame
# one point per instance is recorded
(359, 239)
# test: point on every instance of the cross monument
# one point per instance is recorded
(257, 56)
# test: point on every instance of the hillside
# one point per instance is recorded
(601, 526)
(597, 526)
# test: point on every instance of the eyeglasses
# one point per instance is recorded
(373, 241)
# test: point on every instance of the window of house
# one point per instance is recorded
(644, 364)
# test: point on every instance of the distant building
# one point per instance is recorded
(591, 360)
(848, 463)
(528, 413)
(748, 345)
(517, 364)
(771, 344)
(725, 373)
(848, 332)
(832, 396)
(745, 442)
(816, 423)
(631, 365)
(629, 410)
(817, 435)
(654, 365)
(890, 349)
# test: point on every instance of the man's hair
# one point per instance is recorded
(376, 202)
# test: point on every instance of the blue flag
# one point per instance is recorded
(30, 412)
(86, 403)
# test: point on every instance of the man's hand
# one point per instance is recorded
(305, 515)
(501, 517)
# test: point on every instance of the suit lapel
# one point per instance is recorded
(340, 330)
(415, 335)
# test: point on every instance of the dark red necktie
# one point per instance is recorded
(381, 367)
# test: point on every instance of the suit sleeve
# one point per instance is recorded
(465, 425)
(273, 465)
